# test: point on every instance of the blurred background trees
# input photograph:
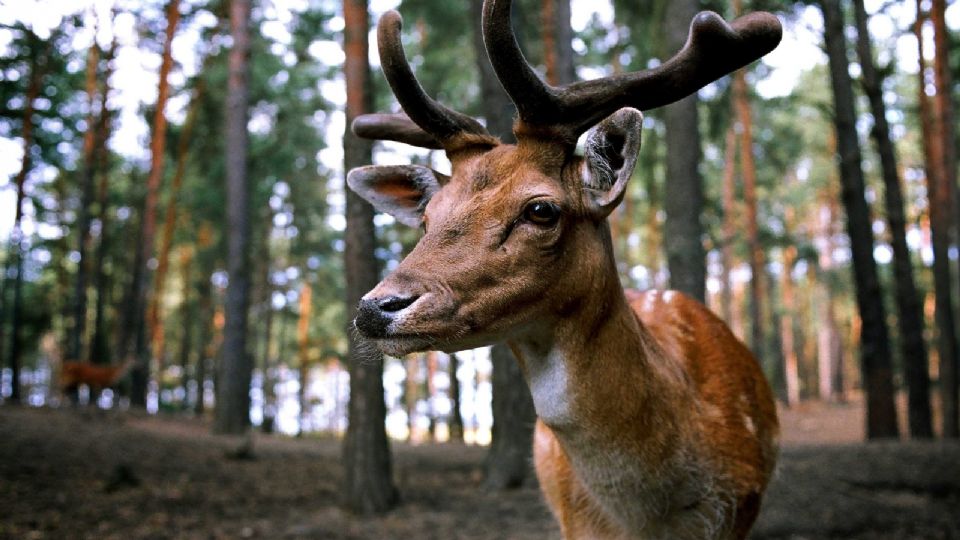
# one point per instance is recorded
(810, 199)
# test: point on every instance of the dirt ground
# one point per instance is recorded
(95, 474)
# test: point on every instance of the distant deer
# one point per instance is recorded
(654, 420)
(97, 377)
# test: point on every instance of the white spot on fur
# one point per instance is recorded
(748, 422)
(668, 296)
(548, 386)
(649, 300)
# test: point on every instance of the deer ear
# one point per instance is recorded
(399, 190)
(610, 155)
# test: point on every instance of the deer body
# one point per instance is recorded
(681, 443)
(96, 377)
(654, 420)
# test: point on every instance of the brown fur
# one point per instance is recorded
(97, 377)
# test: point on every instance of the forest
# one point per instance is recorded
(181, 262)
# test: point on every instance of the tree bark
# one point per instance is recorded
(683, 201)
(787, 336)
(936, 154)
(829, 346)
(188, 319)
(140, 374)
(748, 168)
(455, 422)
(16, 249)
(410, 392)
(557, 41)
(507, 461)
(913, 349)
(729, 222)
(232, 412)
(154, 321)
(75, 344)
(303, 359)
(368, 483)
(99, 347)
(875, 359)
(496, 105)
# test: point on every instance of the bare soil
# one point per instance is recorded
(95, 474)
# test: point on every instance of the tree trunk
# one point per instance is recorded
(936, 152)
(75, 344)
(729, 222)
(140, 374)
(787, 336)
(232, 413)
(410, 393)
(188, 318)
(430, 360)
(748, 168)
(943, 104)
(16, 234)
(874, 340)
(303, 358)
(829, 346)
(99, 347)
(154, 322)
(456, 419)
(497, 107)
(557, 41)
(204, 342)
(368, 483)
(913, 349)
(508, 462)
(683, 202)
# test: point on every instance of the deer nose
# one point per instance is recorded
(375, 315)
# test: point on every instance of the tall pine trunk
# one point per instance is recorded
(913, 348)
(99, 347)
(154, 319)
(507, 462)
(303, 358)
(729, 223)
(683, 202)
(232, 412)
(748, 168)
(140, 374)
(875, 361)
(949, 366)
(829, 346)
(936, 154)
(368, 482)
(16, 249)
(455, 421)
(557, 41)
(75, 343)
(791, 364)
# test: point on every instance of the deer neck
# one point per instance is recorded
(597, 377)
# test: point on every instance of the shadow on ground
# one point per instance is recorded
(83, 474)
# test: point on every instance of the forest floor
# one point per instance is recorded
(104, 474)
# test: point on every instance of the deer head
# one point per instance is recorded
(516, 237)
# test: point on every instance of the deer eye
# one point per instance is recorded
(542, 213)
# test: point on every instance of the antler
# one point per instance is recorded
(439, 127)
(713, 49)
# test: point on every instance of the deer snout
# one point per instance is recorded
(374, 315)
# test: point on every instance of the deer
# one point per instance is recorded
(653, 419)
(96, 377)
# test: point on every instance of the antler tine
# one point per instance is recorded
(442, 124)
(713, 49)
(393, 127)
